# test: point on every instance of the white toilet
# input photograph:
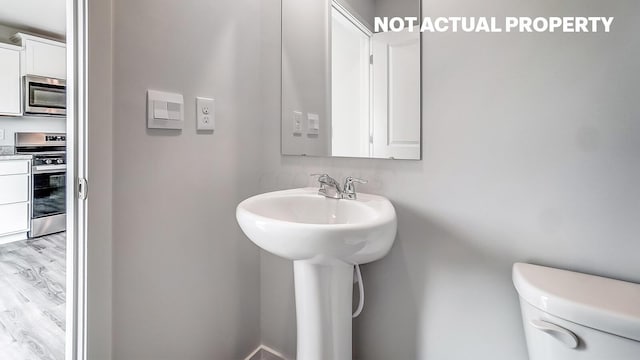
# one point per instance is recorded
(574, 316)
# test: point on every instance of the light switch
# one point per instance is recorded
(160, 110)
(313, 123)
(173, 111)
(165, 110)
(205, 114)
(297, 123)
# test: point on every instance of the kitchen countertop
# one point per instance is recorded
(14, 157)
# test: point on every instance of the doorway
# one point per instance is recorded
(42, 169)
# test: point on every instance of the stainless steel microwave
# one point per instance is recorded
(45, 96)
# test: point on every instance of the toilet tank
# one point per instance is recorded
(573, 316)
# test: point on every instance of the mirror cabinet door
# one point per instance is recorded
(348, 91)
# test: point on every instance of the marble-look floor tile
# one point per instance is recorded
(32, 299)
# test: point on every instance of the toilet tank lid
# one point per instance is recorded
(600, 303)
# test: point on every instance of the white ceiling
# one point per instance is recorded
(44, 15)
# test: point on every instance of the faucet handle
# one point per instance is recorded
(350, 180)
(350, 187)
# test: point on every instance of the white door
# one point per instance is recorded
(396, 95)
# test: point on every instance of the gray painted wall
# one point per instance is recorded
(305, 84)
(400, 8)
(530, 154)
(185, 281)
(363, 10)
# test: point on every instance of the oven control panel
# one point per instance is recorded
(49, 160)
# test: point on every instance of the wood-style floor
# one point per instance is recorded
(32, 299)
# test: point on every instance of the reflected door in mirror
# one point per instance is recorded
(396, 95)
(361, 88)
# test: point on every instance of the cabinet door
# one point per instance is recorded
(14, 167)
(14, 218)
(45, 59)
(10, 80)
(14, 188)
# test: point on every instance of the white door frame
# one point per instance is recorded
(351, 18)
(76, 306)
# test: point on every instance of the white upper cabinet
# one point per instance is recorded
(10, 80)
(42, 57)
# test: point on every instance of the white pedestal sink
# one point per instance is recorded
(325, 238)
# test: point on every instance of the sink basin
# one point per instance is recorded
(299, 224)
(325, 238)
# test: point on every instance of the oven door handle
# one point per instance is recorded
(42, 169)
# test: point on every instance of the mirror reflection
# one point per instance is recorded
(348, 91)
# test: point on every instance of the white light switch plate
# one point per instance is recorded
(206, 117)
(297, 123)
(313, 123)
(165, 110)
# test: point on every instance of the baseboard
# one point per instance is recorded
(265, 353)
(13, 237)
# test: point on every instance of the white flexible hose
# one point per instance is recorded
(360, 291)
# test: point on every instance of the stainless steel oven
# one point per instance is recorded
(45, 96)
(49, 175)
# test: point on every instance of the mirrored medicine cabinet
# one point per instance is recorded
(348, 91)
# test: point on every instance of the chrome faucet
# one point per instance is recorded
(329, 187)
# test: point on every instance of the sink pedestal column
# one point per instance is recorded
(324, 290)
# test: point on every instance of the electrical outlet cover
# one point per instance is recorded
(205, 114)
